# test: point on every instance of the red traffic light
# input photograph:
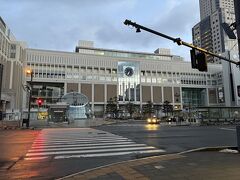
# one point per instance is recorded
(39, 102)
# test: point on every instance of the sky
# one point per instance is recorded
(59, 24)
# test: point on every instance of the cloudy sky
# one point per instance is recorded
(59, 24)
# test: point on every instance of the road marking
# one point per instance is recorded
(132, 125)
(82, 142)
(82, 139)
(36, 158)
(78, 140)
(109, 154)
(84, 148)
(88, 151)
(228, 129)
(63, 143)
(81, 145)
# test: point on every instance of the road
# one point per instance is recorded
(53, 153)
(175, 138)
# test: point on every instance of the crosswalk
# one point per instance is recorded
(83, 142)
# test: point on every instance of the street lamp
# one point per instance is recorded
(29, 72)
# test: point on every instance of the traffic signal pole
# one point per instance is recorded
(178, 41)
(237, 14)
(29, 100)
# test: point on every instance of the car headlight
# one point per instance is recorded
(149, 120)
(154, 120)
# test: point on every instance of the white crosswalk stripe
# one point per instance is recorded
(82, 143)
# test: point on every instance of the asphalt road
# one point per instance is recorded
(175, 139)
(15, 145)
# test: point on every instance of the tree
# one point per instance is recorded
(167, 107)
(131, 108)
(148, 109)
(112, 107)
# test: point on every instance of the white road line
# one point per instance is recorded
(81, 145)
(74, 142)
(109, 154)
(36, 158)
(67, 144)
(79, 139)
(228, 129)
(52, 140)
(82, 139)
(56, 135)
(78, 136)
(88, 151)
(84, 148)
(132, 125)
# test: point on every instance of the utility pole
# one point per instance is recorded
(237, 14)
(30, 72)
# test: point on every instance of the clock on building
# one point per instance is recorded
(128, 71)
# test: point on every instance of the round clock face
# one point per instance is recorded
(128, 71)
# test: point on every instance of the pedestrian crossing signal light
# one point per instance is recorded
(39, 102)
(198, 60)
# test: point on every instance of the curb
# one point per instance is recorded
(108, 165)
(9, 128)
(202, 149)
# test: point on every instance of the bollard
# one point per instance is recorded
(238, 137)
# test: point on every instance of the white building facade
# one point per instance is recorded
(12, 55)
(136, 77)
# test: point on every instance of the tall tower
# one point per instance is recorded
(208, 33)
(205, 8)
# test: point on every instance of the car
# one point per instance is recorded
(153, 120)
(172, 119)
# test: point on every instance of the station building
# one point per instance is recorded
(96, 75)
(137, 77)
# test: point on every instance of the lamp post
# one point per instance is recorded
(29, 71)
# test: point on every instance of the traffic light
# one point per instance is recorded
(39, 101)
(198, 60)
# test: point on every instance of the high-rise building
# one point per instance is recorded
(208, 33)
(237, 13)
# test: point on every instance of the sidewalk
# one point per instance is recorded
(10, 124)
(39, 124)
(77, 123)
(199, 165)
